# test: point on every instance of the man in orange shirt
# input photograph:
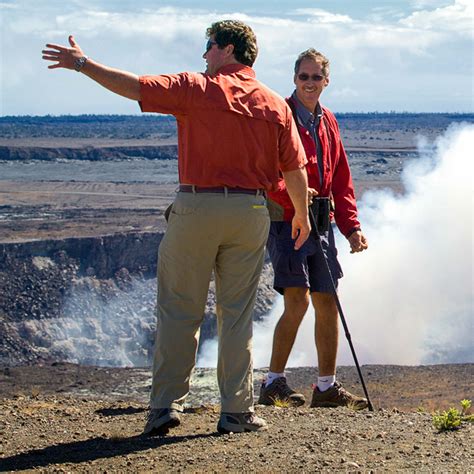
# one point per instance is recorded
(234, 135)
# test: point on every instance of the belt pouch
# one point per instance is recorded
(321, 210)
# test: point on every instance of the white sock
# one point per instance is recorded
(326, 382)
(271, 376)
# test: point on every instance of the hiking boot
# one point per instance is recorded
(240, 423)
(337, 396)
(278, 390)
(160, 420)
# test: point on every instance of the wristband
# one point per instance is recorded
(355, 229)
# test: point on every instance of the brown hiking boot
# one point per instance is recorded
(240, 423)
(279, 390)
(337, 396)
(160, 420)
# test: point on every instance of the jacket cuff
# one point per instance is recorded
(355, 229)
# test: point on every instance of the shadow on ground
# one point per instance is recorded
(90, 450)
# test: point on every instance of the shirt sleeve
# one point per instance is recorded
(292, 153)
(166, 94)
(343, 192)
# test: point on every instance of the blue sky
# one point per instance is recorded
(402, 55)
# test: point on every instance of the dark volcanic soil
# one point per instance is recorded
(66, 418)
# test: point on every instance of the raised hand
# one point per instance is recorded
(64, 57)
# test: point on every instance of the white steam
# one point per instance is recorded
(117, 330)
(408, 299)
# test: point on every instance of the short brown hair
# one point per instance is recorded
(315, 56)
(239, 35)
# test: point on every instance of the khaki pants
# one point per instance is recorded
(206, 232)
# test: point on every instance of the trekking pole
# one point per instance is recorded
(314, 229)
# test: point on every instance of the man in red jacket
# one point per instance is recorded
(301, 275)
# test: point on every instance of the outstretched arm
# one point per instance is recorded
(120, 82)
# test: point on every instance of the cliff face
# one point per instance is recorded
(90, 153)
(95, 256)
(89, 300)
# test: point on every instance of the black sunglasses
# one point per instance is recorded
(314, 77)
(209, 45)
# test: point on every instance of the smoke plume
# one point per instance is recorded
(407, 299)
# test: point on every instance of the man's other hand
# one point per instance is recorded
(300, 229)
(64, 57)
(311, 194)
(358, 242)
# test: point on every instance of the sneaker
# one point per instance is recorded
(240, 423)
(160, 420)
(337, 396)
(279, 390)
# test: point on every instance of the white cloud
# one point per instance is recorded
(170, 39)
(10, 6)
(456, 18)
(95, 23)
(323, 16)
(384, 14)
(418, 4)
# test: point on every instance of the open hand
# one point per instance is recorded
(63, 56)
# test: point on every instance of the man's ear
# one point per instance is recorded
(326, 81)
(229, 49)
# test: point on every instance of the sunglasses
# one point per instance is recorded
(209, 45)
(314, 77)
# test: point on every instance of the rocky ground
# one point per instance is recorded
(66, 418)
(51, 311)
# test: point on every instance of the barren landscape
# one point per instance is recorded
(48, 188)
(75, 194)
(66, 418)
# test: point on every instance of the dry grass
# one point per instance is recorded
(280, 403)
(35, 392)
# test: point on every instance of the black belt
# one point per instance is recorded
(190, 188)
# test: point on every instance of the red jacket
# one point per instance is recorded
(337, 180)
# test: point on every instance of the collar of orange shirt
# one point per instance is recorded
(233, 68)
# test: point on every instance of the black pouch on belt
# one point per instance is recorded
(321, 207)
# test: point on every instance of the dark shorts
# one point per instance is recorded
(305, 267)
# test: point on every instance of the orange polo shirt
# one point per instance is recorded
(232, 130)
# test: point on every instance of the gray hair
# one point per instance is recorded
(315, 56)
